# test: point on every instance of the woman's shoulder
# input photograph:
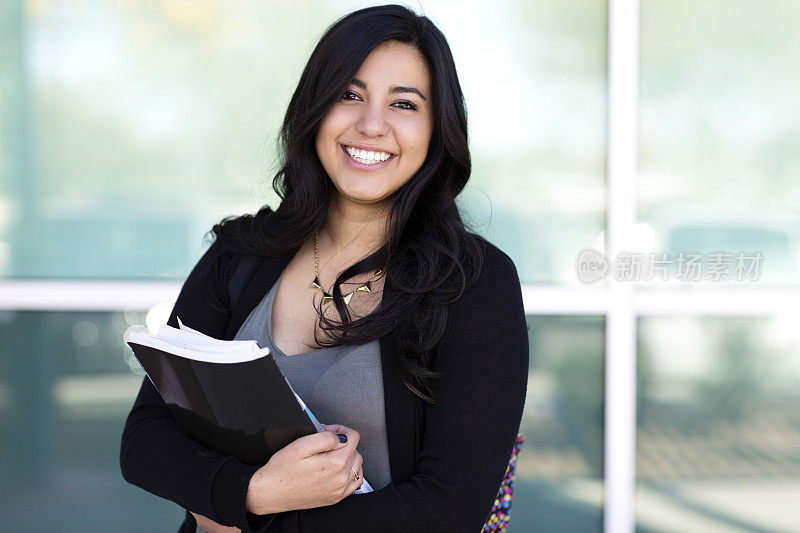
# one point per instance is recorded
(228, 239)
(228, 230)
(224, 250)
(495, 290)
(496, 266)
(490, 312)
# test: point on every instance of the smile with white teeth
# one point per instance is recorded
(365, 157)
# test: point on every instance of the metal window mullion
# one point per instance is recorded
(620, 364)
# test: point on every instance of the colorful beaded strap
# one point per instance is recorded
(501, 510)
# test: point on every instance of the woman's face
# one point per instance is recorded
(376, 136)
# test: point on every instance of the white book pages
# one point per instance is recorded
(196, 346)
(199, 336)
(184, 327)
(171, 334)
(236, 347)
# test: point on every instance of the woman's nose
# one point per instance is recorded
(372, 122)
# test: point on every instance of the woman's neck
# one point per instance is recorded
(352, 229)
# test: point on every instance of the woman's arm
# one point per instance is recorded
(469, 434)
(155, 454)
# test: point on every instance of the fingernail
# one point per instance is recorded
(342, 437)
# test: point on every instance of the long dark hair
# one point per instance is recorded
(430, 257)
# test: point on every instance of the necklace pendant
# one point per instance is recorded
(363, 288)
(326, 298)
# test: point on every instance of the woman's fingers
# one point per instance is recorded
(356, 461)
(319, 442)
(313, 471)
(352, 435)
(342, 458)
(357, 466)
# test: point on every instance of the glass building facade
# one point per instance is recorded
(129, 127)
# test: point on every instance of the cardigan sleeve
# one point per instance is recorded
(468, 434)
(155, 454)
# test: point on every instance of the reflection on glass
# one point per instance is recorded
(720, 126)
(559, 483)
(718, 425)
(66, 386)
(133, 126)
(535, 88)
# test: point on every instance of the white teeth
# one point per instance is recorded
(364, 156)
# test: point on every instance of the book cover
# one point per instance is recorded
(232, 398)
(227, 395)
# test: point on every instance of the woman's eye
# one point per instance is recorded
(403, 104)
(407, 105)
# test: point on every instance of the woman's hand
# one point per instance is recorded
(211, 526)
(313, 471)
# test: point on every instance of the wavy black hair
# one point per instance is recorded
(429, 257)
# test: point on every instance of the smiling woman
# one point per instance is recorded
(373, 128)
(420, 367)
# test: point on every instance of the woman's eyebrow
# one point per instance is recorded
(393, 89)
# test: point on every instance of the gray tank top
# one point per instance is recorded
(340, 384)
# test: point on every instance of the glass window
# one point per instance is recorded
(718, 424)
(559, 481)
(719, 130)
(133, 127)
(64, 397)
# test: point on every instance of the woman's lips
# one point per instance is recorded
(365, 166)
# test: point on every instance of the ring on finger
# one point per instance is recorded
(356, 473)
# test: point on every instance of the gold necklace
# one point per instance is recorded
(327, 297)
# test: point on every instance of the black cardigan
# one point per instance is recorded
(446, 460)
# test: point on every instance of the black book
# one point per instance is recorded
(227, 395)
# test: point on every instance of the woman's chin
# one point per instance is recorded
(364, 197)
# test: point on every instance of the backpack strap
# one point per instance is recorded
(237, 281)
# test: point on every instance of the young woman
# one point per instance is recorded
(395, 324)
